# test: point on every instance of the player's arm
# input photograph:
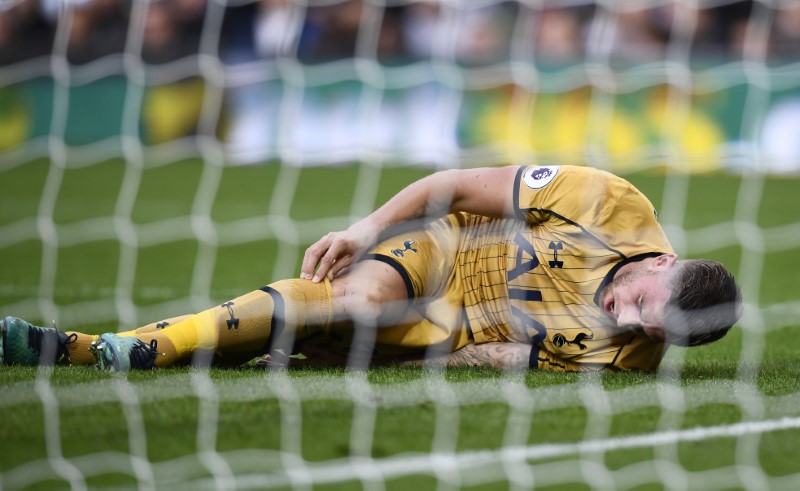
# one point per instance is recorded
(515, 356)
(507, 356)
(484, 191)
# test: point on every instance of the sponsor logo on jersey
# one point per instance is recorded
(539, 177)
(555, 247)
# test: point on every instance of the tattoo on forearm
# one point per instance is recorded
(497, 355)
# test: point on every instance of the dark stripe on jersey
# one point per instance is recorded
(397, 267)
(533, 359)
(515, 192)
(610, 276)
(520, 294)
(278, 316)
(465, 320)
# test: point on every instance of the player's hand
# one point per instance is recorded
(337, 250)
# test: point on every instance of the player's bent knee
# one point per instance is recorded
(370, 293)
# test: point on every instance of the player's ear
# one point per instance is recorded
(664, 262)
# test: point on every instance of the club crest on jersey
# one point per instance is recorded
(539, 177)
(559, 340)
(407, 247)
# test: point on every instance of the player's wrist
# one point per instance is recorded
(369, 228)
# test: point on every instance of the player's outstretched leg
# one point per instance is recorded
(22, 343)
(292, 309)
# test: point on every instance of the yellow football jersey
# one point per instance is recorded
(538, 279)
(533, 279)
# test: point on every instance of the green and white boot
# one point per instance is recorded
(115, 353)
(22, 343)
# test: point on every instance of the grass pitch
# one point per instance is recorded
(176, 428)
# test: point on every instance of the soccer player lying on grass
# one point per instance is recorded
(558, 268)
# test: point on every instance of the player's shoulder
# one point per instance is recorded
(538, 177)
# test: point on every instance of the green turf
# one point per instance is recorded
(724, 383)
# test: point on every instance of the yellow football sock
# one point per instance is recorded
(155, 326)
(287, 309)
(78, 349)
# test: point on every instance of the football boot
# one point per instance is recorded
(22, 343)
(116, 353)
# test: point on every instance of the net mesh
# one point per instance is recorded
(104, 100)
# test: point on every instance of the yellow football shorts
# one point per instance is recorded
(426, 259)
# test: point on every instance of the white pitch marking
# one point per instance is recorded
(402, 466)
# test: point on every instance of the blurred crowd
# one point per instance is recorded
(398, 33)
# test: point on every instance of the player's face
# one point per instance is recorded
(636, 298)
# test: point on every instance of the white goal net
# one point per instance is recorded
(158, 157)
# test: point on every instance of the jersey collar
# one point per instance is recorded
(610, 276)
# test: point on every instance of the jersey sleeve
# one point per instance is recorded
(599, 203)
